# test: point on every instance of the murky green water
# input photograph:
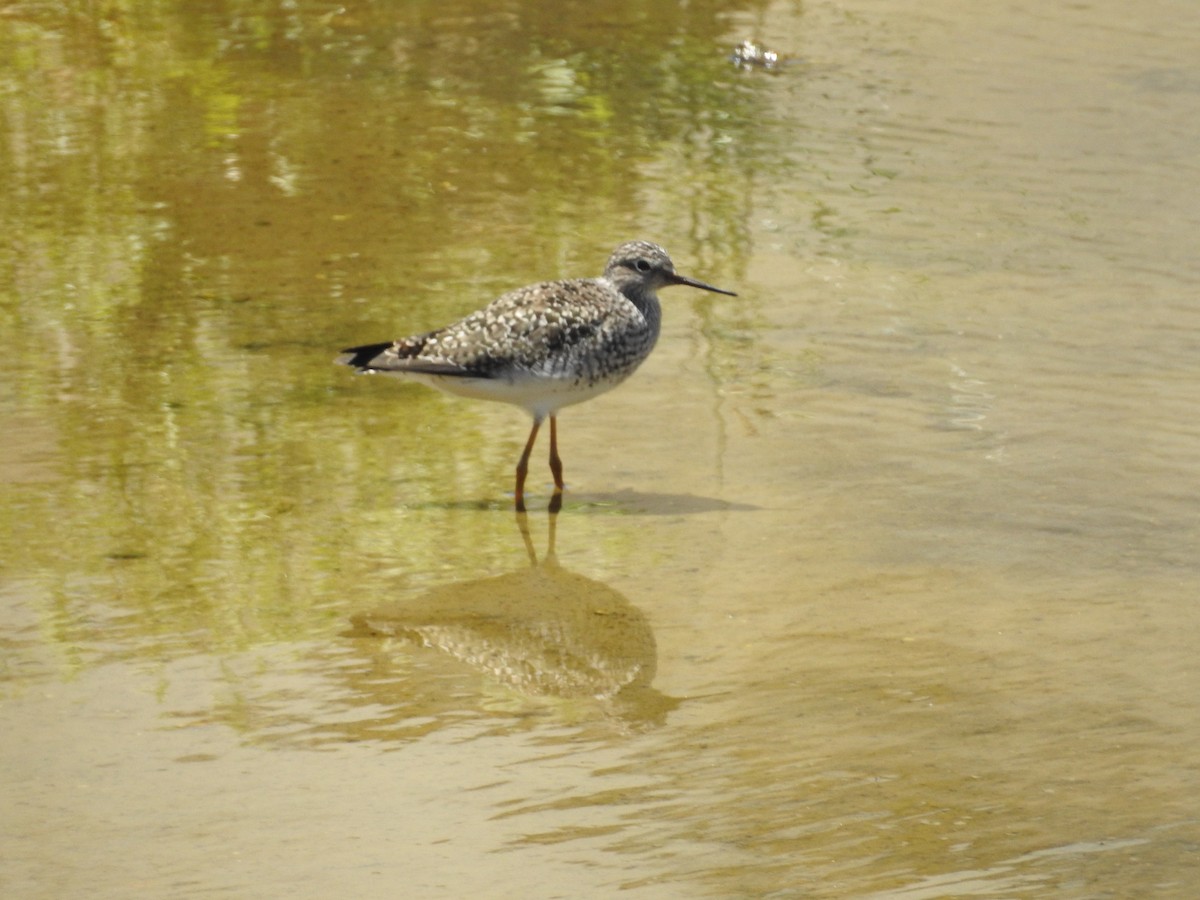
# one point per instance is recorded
(879, 580)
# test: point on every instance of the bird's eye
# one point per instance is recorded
(641, 265)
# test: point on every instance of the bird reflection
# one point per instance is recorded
(543, 631)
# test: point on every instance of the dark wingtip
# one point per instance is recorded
(361, 357)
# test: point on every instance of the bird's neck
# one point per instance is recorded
(648, 306)
(646, 301)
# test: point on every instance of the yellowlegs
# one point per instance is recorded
(544, 346)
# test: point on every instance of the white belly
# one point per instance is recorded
(539, 395)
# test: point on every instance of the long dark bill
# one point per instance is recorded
(676, 278)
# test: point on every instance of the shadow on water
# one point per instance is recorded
(622, 503)
(541, 631)
(650, 503)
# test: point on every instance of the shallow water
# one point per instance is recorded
(878, 580)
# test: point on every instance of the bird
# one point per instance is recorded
(544, 346)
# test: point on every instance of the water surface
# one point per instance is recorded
(878, 580)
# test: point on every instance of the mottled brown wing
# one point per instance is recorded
(538, 328)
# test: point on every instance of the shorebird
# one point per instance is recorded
(544, 346)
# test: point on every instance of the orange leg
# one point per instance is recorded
(555, 462)
(555, 467)
(523, 465)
